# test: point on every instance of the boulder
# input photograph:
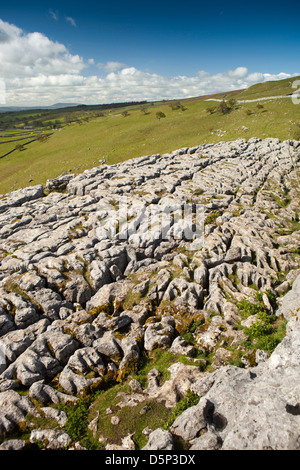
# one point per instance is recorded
(13, 444)
(13, 411)
(18, 197)
(110, 296)
(47, 394)
(291, 303)
(52, 439)
(84, 369)
(159, 334)
(192, 421)
(181, 381)
(44, 358)
(159, 440)
(180, 346)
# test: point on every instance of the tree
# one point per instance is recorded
(175, 105)
(42, 137)
(224, 108)
(160, 115)
(19, 147)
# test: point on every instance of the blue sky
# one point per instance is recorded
(143, 50)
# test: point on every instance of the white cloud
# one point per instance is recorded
(71, 21)
(31, 54)
(38, 71)
(239, 72)
(111, 66)
(8, 31)
(2, 92)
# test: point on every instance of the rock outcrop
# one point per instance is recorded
(195, 252)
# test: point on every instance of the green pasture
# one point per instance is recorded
(274, 88)
(114, 137)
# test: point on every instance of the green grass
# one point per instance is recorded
(266, 333)
(261, 90)
(190, 399)
(117, 138)
(131, 419)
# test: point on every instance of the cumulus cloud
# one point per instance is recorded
(111, 66)
(30, 54)
(38, 71)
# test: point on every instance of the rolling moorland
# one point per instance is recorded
(117, 337)
(74, 139)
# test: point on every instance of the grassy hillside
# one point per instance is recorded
(114, 137)
(274, 88)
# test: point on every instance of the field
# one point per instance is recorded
(275, 88)
(75, 141)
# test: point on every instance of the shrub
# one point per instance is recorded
(175, 105)
(226, 107)
(160, 115)
(19, 147)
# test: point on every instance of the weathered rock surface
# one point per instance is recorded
(51, 439)
(160, 440)
(98, 277)
(242, 407)
(14, 409)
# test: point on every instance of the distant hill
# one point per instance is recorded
(259, 90)
(9, 109)
(64, 105)
(68, 106)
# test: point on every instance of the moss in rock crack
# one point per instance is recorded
(210, 219)
(12, 286)
(281, 200)
(131, 299)
(4, 254)
(86, 272)
(194, 324)
(265, 333)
